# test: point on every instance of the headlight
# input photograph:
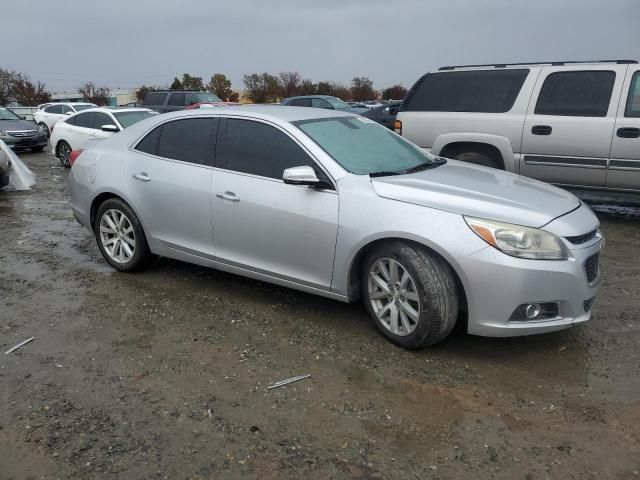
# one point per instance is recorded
(40, 129)
(519, 241)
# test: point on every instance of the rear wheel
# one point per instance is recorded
(45, 128)
(410, 294)
(120, 236)
(63, 152)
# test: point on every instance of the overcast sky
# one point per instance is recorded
(125, 43)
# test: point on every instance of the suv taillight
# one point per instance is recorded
(397, 127)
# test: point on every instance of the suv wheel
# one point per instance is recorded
(410, 294)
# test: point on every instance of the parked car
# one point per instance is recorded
(131, 105)
(384, 114)
(334, 204)
(50, 115)
(19, 133)
(74, 131)
(173, 100)
(322, 101)
(572, 124)
(356, 104)
(43, 105)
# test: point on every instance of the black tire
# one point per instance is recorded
(46, 129)
(63, 150)
(141, 254)
(436, 288)
(478, 158)
(37, 149)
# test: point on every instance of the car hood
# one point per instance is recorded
(17, 125)
(481, 192)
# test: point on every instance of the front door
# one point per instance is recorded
(261, 223)
(624, 166)
(169, 176)
(569, 125)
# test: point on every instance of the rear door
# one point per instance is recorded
(169, 176)
(569, 125)
(624, 166)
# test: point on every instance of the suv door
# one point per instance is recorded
(569, 125)
(262, 224)
(80, 130)
(169, 179)
(624, 166)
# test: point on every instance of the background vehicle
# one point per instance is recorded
(18, 133)
(51, 114)
(43, 105)
(163, 101)
(195, 106)
(569, 123)
(95, 123)
(384, 114)
(322, 101)
(326, 202)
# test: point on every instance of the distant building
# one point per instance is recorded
(120, 96)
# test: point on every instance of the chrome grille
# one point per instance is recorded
(591, 267)
(22, 133)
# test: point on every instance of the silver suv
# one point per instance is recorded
(573, 124)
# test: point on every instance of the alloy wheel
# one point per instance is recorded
(117, 236)
(64, 153)
(394, 296)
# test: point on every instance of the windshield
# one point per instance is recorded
(363, 147)
(79, 108)
(126, 119)
(6, 114)
(207, 97)
(337, 103)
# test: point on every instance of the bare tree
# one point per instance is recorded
(395, 92)
(93, 94)
(290, 83)
(262, 87)
(142, 92)
(25, 92)
(307, 87)
(362, 89)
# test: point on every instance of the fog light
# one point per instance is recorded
(532, 310)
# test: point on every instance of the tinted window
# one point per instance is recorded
(100, 119)
(85, 120)
(633, 101)
(149, 144)
(191, 140)
(54, 109)
(154, 98)
(67, 108)
(467, 91)
(576, 94)
(127, 119)
(260, 149)
(85, 106)
(320, 103)
(176, 99)
(190, 99)
(300, 102)
(71, 120)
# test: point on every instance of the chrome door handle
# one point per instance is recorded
(228, 196)
(143, 177)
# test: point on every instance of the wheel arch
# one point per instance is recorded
(102, 197)
(497, 146)
(355, 266)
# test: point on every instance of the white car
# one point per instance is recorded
(96, 123)
(50, 115)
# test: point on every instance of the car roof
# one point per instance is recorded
(116, 109)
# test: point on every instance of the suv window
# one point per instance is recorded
(100, 119)
(154, 98)
(300, 102)
(576, 94)
(176, 99)
(633, 101)
(84, 120)
(488, 91)
(320, 103)
(191, 140)
(190, 99)
(54, 109)
(260, 149)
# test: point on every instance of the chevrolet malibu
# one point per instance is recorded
(336, 205)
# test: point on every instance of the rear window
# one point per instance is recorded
(154, 98)
(576, 94)
(485, 91)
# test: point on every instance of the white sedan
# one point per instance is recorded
(97, 123)
(51, 114)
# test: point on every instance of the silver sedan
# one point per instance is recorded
(334, 204)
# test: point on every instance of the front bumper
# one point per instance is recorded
(497, 284)
(36, 141)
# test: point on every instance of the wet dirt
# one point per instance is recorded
(163, 374)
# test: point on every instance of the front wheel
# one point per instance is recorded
(410, 294)
(120, 236)
(45, 128)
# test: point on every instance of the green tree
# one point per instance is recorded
(221, 86)
(395, 92)
(262, 87)
(176, 85)
(192, 83)
(362, 89)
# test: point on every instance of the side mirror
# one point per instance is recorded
(300, 176)
(109, 128)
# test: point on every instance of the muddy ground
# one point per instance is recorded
(163, 374)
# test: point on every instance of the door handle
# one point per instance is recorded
(228, 196)
(541, 130)
(628, 132)
(142, 176)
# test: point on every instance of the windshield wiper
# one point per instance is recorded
(426, 166)
(384, 173)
